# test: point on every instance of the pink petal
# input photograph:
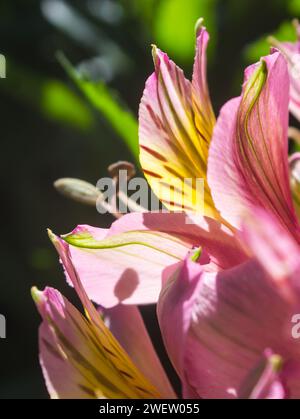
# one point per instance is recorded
(127, 325)
(173, 143)
(223, 323)
(73, 359)
(204, 114)
(65, 257)
(223, 177)
(129, 270)
(248, 161)
(125, 264)
(275, 249)
(63, 380)
(175, 307)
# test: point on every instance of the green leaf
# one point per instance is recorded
(102, 98)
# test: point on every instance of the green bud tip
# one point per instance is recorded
(37, 295)
(199, 25)
(154, 54)
(51, 235)
(256, 81)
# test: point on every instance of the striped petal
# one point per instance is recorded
(77, 361)
(248, 161)
(175, 128)
(204, 114)
(127, 325)
(79, 356)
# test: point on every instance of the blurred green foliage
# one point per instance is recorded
(49, 96)
(174, 23)
(106, 102)
(168, 23)
(60, 103)
(294, 7)
(261, 47)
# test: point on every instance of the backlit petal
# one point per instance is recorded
(78, 359)
(248, 161)
(127, 325)
(125, 263)
(176, 121)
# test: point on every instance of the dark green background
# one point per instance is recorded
(42, 141)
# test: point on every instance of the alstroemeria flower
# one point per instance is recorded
(81, 358)
(229, 333)
(248, 168)
(219, 296)
(291, 52)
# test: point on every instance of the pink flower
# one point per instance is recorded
(247, 168)
(226, 286)
(228, 332)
